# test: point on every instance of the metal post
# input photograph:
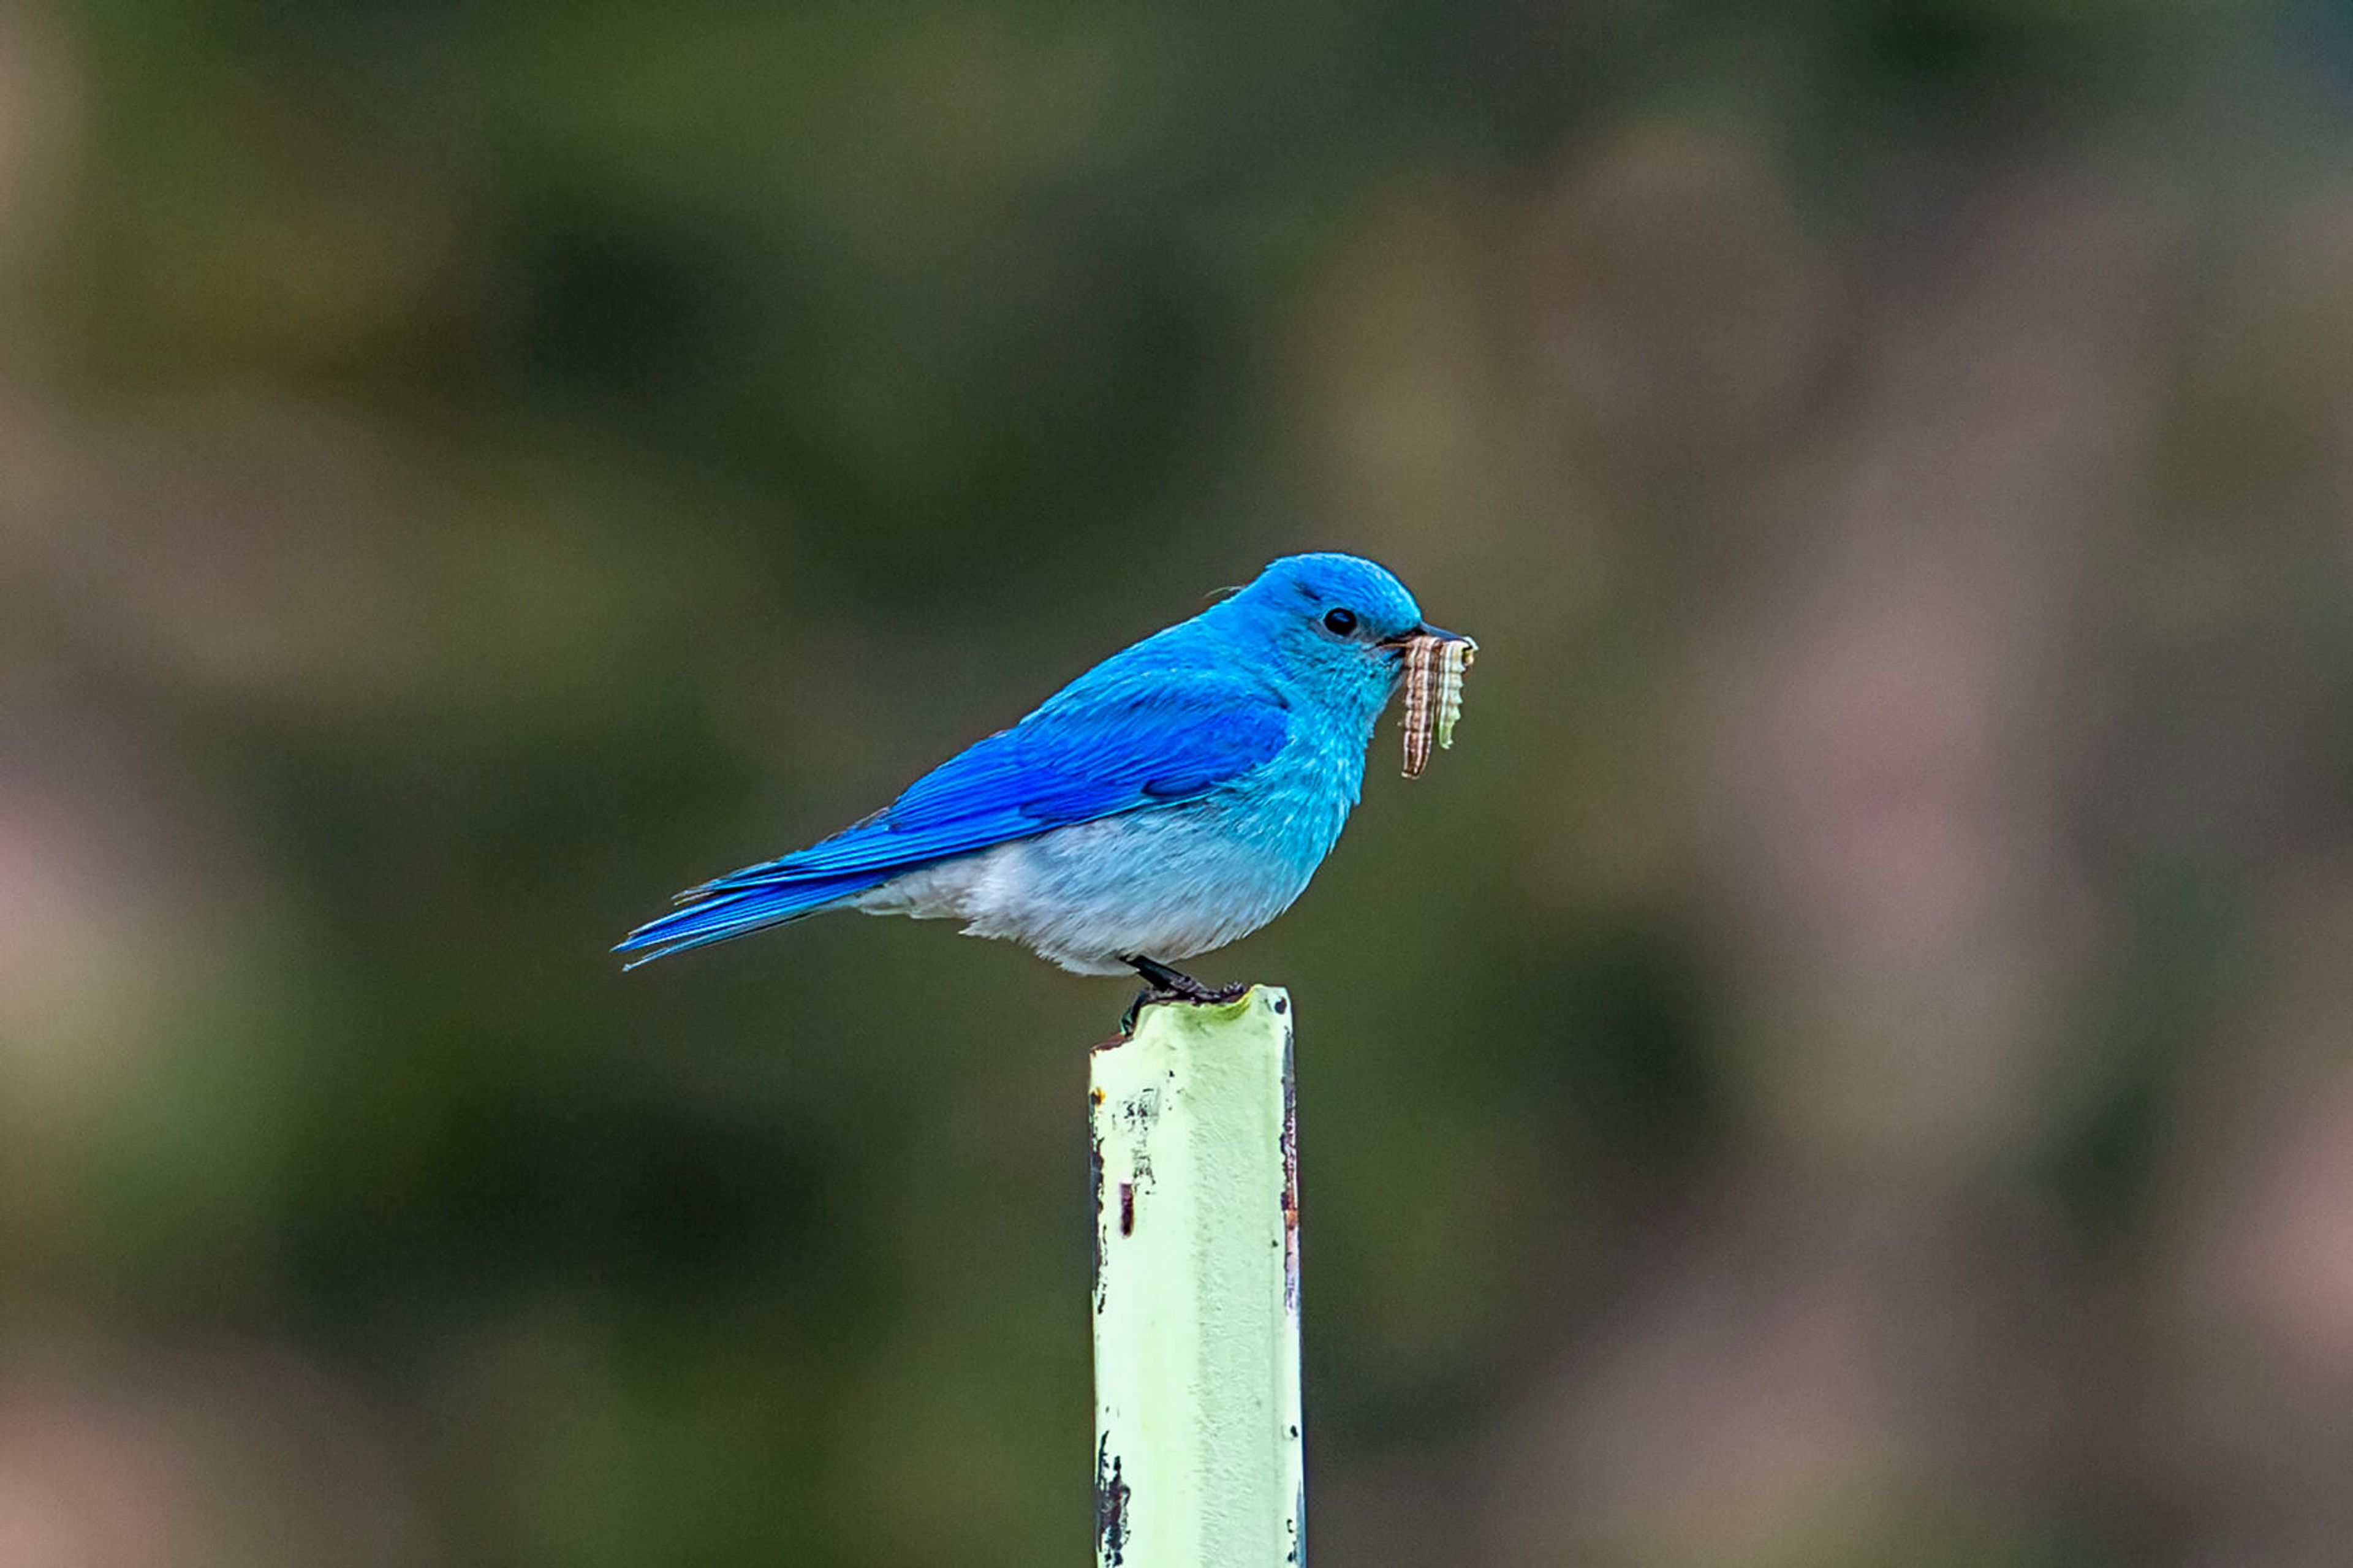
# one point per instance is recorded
(1198, 1451)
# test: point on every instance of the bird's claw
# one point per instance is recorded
(1166, 984)
(1201, 995)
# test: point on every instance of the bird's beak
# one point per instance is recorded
(1425, 630)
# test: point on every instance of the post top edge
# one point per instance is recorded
(1272, 1001)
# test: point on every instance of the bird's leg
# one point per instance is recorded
(1167, 986)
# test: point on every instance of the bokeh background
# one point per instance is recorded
(1848, 1062)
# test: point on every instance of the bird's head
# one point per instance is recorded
(1338, 623)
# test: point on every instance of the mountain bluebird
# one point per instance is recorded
(1173, 798)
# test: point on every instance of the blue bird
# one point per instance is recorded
(1173, 799)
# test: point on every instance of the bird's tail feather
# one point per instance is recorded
(718, 916)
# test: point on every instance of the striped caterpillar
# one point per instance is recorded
(1434, 695)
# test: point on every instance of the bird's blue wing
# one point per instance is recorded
(1148, 743)
(1099, 748)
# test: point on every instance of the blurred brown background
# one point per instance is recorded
(1845, 1064)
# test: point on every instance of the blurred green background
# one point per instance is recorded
(1849, 1062)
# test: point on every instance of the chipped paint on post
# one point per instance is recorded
(1110, 1507)
(1197, 1447)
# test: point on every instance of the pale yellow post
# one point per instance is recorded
(1198, 1451)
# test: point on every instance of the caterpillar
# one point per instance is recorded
(1434, 695)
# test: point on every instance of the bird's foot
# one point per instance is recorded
(1166, 984)
(1153, 994)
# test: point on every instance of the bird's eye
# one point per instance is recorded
(1340, 623)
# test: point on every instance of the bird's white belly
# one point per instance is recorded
(1164, 884)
